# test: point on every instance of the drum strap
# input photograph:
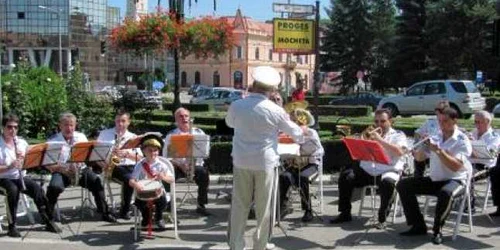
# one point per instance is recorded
(148, 170)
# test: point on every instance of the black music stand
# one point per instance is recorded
(89, 152)
(372, 151)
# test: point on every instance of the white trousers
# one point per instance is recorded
(248, 184)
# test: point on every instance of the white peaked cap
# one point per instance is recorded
(266, 76)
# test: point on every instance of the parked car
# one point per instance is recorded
(194, 88)
(202, 93)
(421, 98)
(147, 98)
(496, 110)
(360, 98)
(111, 91)
(220, 96)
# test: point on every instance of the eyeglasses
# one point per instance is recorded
(12, 127)
(380, 121)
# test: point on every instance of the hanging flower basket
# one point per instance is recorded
(207, 37)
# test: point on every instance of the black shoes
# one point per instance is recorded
(108, 217)
(415, 230)
(13, 232)
(124, 216)
(308, 216)
(201, 210)
(380, 225)
(341, 218)
(51, 226)
(437, 238)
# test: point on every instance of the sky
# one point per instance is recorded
(256, 9)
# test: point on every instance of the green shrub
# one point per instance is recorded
(190, 107)
(344, 110)
(322, 100)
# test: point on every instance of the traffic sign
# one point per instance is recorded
(293, 8)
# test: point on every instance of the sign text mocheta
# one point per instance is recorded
(293, 36)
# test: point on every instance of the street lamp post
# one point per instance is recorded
(58, 13)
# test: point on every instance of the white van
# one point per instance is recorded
(422, 97)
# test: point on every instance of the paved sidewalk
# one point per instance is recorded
(210, 232)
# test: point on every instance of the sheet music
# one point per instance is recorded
(57, 152)
(481, 151)
(100, 151)
(288, 149)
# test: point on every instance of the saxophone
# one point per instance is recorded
(114, 159)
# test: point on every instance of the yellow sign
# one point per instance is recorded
(293, 36)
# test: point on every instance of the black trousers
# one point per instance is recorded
(88, 180)
(12, 189)
(495, 184)
(356, 177)
(122, 175)
(160, 206)
(445, 191)
(202, 179)
(420, 167)
(293, 176)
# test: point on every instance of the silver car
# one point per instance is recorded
(422, 97)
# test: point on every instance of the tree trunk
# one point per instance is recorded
(177, 100)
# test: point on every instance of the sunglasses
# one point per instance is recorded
(12, 127)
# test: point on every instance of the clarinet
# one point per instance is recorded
(23, 185)
(192, 161)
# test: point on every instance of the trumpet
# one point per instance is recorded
(367, 134)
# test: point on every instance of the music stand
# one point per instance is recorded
(87, 152)
(372, 151)
(43, 154)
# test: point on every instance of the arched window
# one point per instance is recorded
(270, 55)
(197, 77)
(238, 80)
(183, 79)
(257, 53)
(216, 79)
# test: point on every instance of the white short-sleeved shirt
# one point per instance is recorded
(492, 140)
(177, 131)
(458, 146)
(109, 135)
(312, 147)
(396, 162)
(77, 137)
(256, 121)
(8, 155)
(157, 167)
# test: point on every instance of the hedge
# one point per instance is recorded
(336, 157)
(343, 110)
(322, 100)
(191, 107)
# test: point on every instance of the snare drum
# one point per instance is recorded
(151, 190)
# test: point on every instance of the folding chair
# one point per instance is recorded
(315, 181)
(465, 197)
(373, 193)
(23, 209)
(173, 205)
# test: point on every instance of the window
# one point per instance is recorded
(464, 87)
(238, 52)
(299, 59)
(434, 88)
(417, 90)
(20, 15)
(257, 53)
(270, 55)
(306, 57)
(197, 77)
(280, 57)
(238, 80)
(216, 79)
(183, 79)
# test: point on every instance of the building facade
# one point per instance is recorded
(31, 30)
(254, 47)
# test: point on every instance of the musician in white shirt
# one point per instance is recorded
(256, 121)
(449, 168)
(12, 152)
(151, 168)
(128, 158)
(384, 176)
(182, 165)
(65, 174)
(484, 167)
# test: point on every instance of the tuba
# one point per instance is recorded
(367, 133)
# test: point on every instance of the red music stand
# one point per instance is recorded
(365, 150)
(43, 154)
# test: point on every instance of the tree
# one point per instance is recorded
(384, 29)
(460, 31)
(348, 39)
(409, 64)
